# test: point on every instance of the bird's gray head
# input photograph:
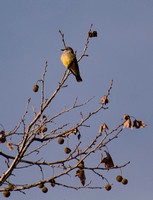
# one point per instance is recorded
(68, 49)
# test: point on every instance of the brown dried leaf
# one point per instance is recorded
(80, 173)
(126, 117)
(9, 144)
(136, 123)
(81, 165)
(142, 124)
(101, 129)
(79, 136)
(89, 34)
(2, 132)
(104, 100)
(105, 126)
(11, 148)
(108, 161)
(128, 124)
(3, 139)
(2, 136)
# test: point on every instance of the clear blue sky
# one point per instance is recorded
(123, 51)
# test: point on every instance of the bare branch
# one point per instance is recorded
(62, 38)
(43, 81)
(86, 45)
(22, 119)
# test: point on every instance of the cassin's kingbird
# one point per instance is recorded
(69, 60)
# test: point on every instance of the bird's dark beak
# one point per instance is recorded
(62, 49)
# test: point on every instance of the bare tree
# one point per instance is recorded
(36, 135)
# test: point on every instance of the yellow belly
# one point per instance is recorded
(67, 59)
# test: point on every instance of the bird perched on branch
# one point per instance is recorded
(69, 60)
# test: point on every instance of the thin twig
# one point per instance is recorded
(62, 37)
(43, 82)
(86, 45)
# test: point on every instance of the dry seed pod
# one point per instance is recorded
(35, 88)
(119, 178)
(60, 141)
(44, 189)
(124, 181)
(52, 182)
(6, 193)
(67, 150)
(44, 129)
(94, 34)
(44, 117)
(108, 187)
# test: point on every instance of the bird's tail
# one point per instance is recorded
(78, 78)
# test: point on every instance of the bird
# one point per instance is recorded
(68, 59)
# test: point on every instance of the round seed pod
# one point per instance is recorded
(108, 187)
(67, 150)
(35, 88)
(6, 193)
(124, 181)
(44, 129)
(52, 182)
(119, 178)
(44, 189)
(60, 141)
